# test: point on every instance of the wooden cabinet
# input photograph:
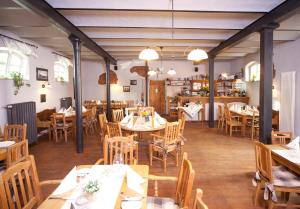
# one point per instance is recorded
(172, 106)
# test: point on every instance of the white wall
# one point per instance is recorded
(91, 71)
(58, 90)
(286, 59)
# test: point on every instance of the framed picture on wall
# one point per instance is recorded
(43, 98)
(126, 88)
(41, 74)
(133, 82)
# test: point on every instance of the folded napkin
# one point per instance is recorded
(294, 144)
(126, 119)
(70, 109)
(160, 120)
(134, 181)
(6, 144)
(62, 110)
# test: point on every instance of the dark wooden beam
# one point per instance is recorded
(279, 13)
(147, 85)
(108, 98)
(44, 9)
(151, 27)
(266, 79)
(76, 43)
(211, 67)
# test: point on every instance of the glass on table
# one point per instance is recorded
(118, 159)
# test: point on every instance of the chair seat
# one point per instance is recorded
(161, 203)
(282, 177)
(235, 123)
(159, 144)
(61, 125)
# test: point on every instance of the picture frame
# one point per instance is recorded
(126, 88)
(133, 82)
(43, 98)
(41, 74)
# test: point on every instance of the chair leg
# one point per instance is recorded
(177, 157)
(137, 153)
(230, 130)
(270, 204)
(66, 135)
(256, 194)
(150, 154)
(56, 135)
(252, 133)
(165, 162)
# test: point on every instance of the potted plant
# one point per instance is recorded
(18, 81)
(91, 188)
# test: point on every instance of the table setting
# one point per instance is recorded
(100, 186)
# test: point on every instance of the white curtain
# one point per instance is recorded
(287, 101)
(18, 46)
(64, 60)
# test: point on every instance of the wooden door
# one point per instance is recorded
(157, 99)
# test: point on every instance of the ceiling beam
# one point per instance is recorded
(43, 8)
(150, 27)
(279, 13)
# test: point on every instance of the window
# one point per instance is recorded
(252, 71)
(61, 71)
(13, 61)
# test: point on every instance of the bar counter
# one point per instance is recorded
(204, 100)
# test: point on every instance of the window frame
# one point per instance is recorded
(249, 71)
(57, 75)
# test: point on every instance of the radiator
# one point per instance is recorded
(66, 102)
(24, 113)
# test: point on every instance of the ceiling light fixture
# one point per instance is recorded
(171, 72)
(197, 55)
(151, 72)
(148, 54)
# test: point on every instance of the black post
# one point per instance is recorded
(147, 84)
(76, 43)
(266, 77)
(108, 101)
(211, 67)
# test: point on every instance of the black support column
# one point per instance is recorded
(146, 84)
(266, 78)
(108, 100)
(211, 62)
(76, 43)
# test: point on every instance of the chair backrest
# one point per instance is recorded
(182, 124)
(227, 114)
(118, 115)
(16, 153)
(94, 111)
(198, 202)
(119, 145)
(281, 137)
(19, 186)
(113, 130)
(58, 118)
(185, 183)
(220, 112)
(15, 132)
(149, 110)
(130, 110)
(172, 132)
(263, 160)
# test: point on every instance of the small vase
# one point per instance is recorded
(147, 119)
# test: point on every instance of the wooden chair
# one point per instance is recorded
(60, 125)
(1, 134)
(150, 110)
(118, 115)
(16, 153)
(279, 177)
(113, 130)
(181, 138)
(281, 137)
(119, 145)
(254, 125)
(88, 121)
(221, 118)
(103, 125)
(232, 122)
(130, 110)
(184, 185)
(20, 186)
(198, 202)
(163, 145)
(94, 117)
(15, 132)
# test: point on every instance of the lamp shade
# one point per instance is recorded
(171, 72)
(148, 54)
(151, 72)
(197, 55)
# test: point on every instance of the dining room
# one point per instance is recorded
(162, 104)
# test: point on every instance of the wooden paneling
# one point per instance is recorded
(157, 92)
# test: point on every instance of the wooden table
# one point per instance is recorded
(142, 170)
(3, 154)
(283, 161)
(245, 115)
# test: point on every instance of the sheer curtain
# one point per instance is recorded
(287, 102)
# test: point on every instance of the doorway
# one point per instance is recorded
(157, 99)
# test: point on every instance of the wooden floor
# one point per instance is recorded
(224, 165)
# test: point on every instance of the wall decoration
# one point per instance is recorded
(133, 82)
(43, 98)
(126, 88)
(112, 75)
(41, 74)
(140, 70)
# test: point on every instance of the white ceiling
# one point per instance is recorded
(124, 28)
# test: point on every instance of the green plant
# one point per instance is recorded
(91, 187)
(60, 79)
(18, 81)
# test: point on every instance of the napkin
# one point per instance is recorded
(134, 181)
(294, 144)
(160, 120)
(6, 144)
(126, 119)
(62, 110)
(69, 183)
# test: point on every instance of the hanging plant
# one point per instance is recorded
(18, 81)
(60, 79)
